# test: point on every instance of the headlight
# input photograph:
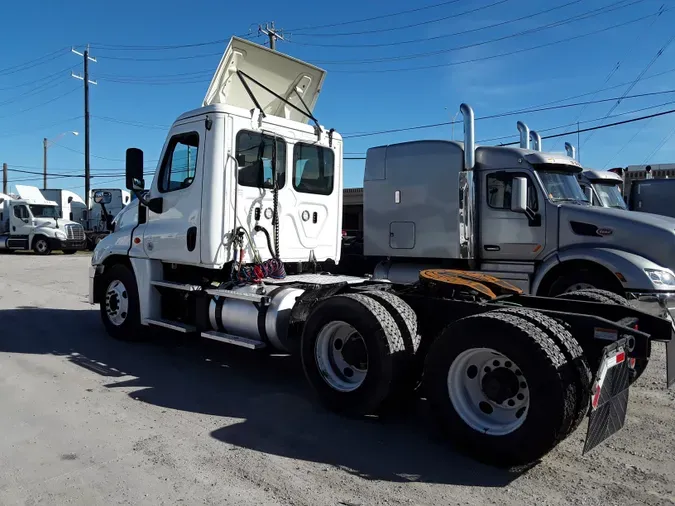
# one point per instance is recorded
(60, 234)
(661, 278)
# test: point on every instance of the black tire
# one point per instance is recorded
(583, 276)
(406, 320)
(41, 245)
(130, 329)
(387, 357)
(576, 371)
(69, 251)
(606, 297)
(552, 401)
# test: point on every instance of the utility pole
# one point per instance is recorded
(272, 33)
(87, 82)
(44, 163)
(4, 178)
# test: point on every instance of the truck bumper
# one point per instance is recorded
(68, 244)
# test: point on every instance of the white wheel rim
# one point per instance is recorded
(41, 245)
(117, 303)
(488, 391)
(339, 354)
(578, 286)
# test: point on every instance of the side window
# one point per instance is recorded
(21, 212)
(254, 157)
(499, 191)
(313, 169)
(180, 162)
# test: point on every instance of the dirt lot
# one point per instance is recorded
(86, 420)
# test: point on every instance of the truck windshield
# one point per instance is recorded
(610, 195)
(562, 186)
(40, 211)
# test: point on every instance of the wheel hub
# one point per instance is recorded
(116, 303)
(500, 384)
(341, 356)
(488, 391)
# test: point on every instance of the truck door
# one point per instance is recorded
(20, 221)
(173, 235)
(506, 235)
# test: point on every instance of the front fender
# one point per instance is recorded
(629, 265)
(118, 243)
(49, 232)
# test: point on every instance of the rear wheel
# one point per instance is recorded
(607, 297)
(353, 354)
(497, 387)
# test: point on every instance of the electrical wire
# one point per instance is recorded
(374, 18)
(34, 63)
(436, 37)
(414, 25)
(495, 56)
(587, 15)
(41, 104)
(507, 114)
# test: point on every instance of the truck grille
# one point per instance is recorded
(75, 232)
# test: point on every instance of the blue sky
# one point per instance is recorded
(136, 100)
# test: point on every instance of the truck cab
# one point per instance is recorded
(35, 223)
(602, 188)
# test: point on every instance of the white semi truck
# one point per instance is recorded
(227, 244)
(97, 220)
(34, 223)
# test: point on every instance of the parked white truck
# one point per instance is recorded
(97, 220)
(32, 222)
(227, 242)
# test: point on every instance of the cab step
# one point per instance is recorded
(177, 286)
(169, 324)
(231, 294)
(244, 342)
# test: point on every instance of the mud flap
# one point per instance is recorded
(609, 400)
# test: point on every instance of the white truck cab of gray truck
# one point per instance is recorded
(512, 212)
(33, 222)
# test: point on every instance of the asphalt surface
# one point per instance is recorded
(87, 420)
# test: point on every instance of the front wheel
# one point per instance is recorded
(41, 246)
(496, 386)
(120, 308)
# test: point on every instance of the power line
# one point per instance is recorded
(37, 80)
(14, 133)
(33, 63)
(122, 47)
(500, 55)
(660, 146)
(414, 25)
(509, 113)
(374, 18)
(169, 58)
(131, 123)
(555, 24)
(38, 89)
(600, 127)
(39, 105)
(444, 36)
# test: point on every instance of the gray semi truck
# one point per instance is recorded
(517, 213)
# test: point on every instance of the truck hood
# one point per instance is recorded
(51, 223)
(279, 72)
(651, 236)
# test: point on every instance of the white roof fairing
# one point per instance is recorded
(280, 73)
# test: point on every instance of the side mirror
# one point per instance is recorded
(134, 170)
(241, 160)
(519, 195)
(101, 197)
(70, 199)
(588, 191)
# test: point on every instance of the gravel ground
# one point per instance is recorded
(87, 420)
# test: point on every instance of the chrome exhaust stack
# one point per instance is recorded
(524, 135)
(536, 140)
(469, 137)
(569, 149)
